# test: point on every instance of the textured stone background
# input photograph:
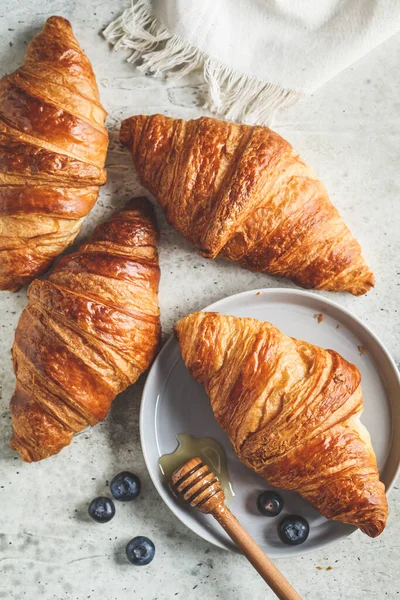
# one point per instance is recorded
(349, 131)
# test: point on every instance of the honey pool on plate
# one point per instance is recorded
(208, 449)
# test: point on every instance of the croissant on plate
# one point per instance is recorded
(53, 147)
(291, 411)
(88, 332)
(242, 193)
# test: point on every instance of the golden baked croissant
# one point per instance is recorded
(87, 333)
(291, 411)
(53, 147)
(242, 193)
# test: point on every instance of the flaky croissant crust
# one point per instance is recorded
(291, 411)
(242, 193)
(88, 332)
(53, 146)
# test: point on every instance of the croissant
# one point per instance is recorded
(242, 193)
(53, 147)
(291, 411)
(88, 332)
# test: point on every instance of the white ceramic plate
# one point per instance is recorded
(173, 402)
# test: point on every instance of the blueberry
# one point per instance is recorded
(140, 551)
(293, 530)
(102, 509)
(269, 503)
(125, 486)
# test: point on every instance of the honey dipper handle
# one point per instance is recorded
(260, 561)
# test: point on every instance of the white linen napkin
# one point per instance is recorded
(256, 55)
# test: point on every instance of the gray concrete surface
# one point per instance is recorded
(349, 131)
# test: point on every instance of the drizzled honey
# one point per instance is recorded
(208, 449)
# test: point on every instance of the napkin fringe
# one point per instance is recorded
(232, 94)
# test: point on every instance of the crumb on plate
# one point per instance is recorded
(319, 317)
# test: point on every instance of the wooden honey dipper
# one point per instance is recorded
(198, 486)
